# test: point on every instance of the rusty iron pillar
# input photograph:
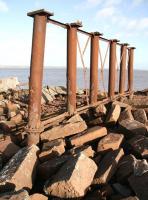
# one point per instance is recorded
(130, 69)
(112, 68)
(94, 67)
(123, 58)
(34, 127)
(71, 66)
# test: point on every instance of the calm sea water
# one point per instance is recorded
(57, 76)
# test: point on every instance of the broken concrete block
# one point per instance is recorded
(75, 118)
(60, 90)
(17, 118)
(139, 145)
(126, 114)
(47, 169)
(140, 167)
(73, 178)
(52, 149)
(108, 167)
(139, 185)
(111, 141)
(8, 148)
(113, 114)
(19, 172)
(63, 131)
(140, 115)
(90, 135)
(122, 104)
(37, 196)
(100, 110)
(46, 95)
(125, 168)
(19, 195)
(130, 128)
(8, 83)
(87, 150)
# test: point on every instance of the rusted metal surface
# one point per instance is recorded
(112, 68)
(65, 26)
(71, 66)
(36, 74)
(94, 67)
(123, 57)
(130, 69)
(55, 22)
(41, 17)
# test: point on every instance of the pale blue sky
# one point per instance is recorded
(126, 20)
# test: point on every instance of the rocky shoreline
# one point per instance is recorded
(99, 154)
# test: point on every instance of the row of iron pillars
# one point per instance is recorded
(36, 70)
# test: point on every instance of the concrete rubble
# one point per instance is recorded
(99, 154)
(8, 83)
(73, 179)
(19, 172)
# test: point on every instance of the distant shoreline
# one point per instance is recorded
(54, 67)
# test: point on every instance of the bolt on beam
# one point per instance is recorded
(130, 69)
(94, 56)
(112, 68)
(71, 66)
(34, 127)
(123, 58)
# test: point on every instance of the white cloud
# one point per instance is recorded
(106, 12)
(137, 24)
(3, 6)
(125, 26)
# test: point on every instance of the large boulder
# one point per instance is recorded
(139, 185)
(113, 114)
(88, 136)
(131, 128)
(73, 179)
(140, 115)
(111, 141)
(8, 83)
(8, 148)
(19, 172)
(139, 145)
(108, 167)
(64, 130)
